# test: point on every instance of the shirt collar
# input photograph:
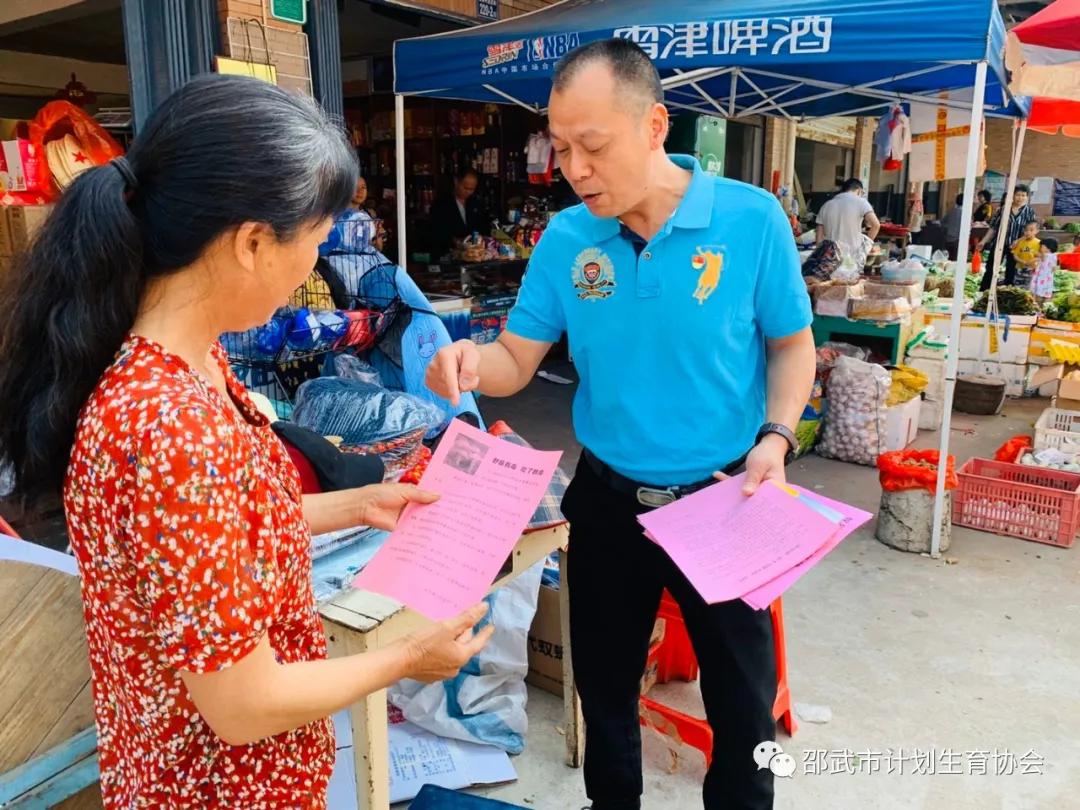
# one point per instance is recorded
(694, 210)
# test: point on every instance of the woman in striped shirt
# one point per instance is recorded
(1019, 217)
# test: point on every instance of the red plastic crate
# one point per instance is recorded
(1031, 503)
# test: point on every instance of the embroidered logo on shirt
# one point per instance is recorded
(709, 263)
(594, 275)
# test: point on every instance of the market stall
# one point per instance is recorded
(771, 57)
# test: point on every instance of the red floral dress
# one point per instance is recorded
(185, 518)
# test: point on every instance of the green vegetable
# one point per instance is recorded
(1010, 301)
(1064, 281)
(1072, 227)
(1051, 224)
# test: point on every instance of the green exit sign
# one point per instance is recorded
(294, 11)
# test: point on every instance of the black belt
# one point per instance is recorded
(649, 494)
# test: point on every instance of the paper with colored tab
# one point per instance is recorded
(730, 546)
(443, 557)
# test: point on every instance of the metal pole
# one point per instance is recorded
(959, 272)
(399, 166)
(1006, 208)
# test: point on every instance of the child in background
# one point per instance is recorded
(1042, 280)
(1026, 251)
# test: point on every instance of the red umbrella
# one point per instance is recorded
(1053, 115)
(1043, 52)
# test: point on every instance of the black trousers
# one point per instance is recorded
(1010, 270)
(616, 577)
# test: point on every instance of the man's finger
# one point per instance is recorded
(753, 481)
(719, 476)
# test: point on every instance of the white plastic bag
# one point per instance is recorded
(486, 702)
(856, 397)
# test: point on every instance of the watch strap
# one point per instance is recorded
(780, 430)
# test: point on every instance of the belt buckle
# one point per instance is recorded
(655, 498)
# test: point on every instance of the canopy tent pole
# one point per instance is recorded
(399, 167)
(959, 272)
(1006, 208)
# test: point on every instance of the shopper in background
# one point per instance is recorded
(984, 211)
(184, 511)
(374, 232)
(1020, 215)
(843, 218)
(951, 223)
(694, 349)
(458, 215)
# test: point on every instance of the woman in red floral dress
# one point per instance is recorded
(211, 684)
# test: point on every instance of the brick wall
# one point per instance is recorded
(249, 33)
(1044, 156)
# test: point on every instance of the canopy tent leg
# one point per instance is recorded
(959, 272)
(999, 238)
(399, 167)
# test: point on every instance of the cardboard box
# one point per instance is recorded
(24, 221)
(1065, 404)
(546, 651)
(902, 424)
(7, 244)
(1061, 380)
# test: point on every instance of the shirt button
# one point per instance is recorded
(647, 255)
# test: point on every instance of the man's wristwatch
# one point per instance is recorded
(780, 430)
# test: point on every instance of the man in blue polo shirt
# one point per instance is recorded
(688, 321)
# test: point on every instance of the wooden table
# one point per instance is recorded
(361, 621)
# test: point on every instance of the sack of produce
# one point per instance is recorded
(901, 470)
(855, 418)
(830, 351)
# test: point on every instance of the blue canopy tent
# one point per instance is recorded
(789, 58)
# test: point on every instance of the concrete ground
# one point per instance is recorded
(976, 652)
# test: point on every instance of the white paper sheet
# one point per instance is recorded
(417, 758)
(26, 552)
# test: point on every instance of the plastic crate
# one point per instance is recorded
(1031, 503)
(1057, 427)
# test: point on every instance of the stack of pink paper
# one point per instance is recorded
(730, 546)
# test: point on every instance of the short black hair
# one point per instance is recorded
(1020, 187)
(852, 184)
(1050, 243)
(985, 195)
(465, 171)
(629, 64)
(959, 199)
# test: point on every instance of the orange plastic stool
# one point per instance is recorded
(675, 660)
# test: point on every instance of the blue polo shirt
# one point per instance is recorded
(669, 338)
